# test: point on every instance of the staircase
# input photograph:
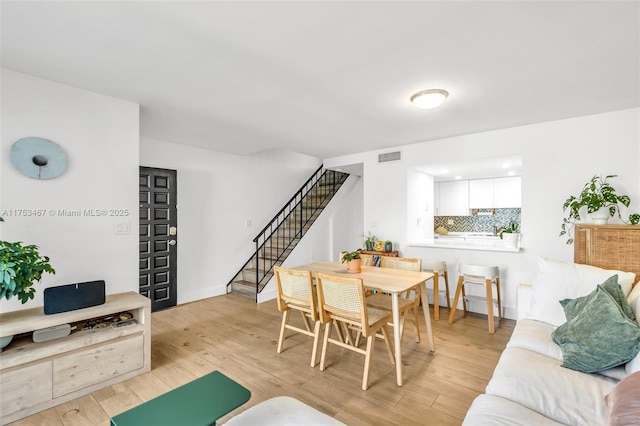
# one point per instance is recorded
(276, 240)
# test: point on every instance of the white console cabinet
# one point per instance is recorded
(37, 376)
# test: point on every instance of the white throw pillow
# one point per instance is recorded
(554, 281)
(634, 301)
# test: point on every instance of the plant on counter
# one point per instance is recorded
(369, 241)
(21, 266)
(388, 246)
(511, 228)
(596, 194)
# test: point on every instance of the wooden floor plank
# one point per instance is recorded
(238, 337)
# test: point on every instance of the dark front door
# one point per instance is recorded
(158, 237)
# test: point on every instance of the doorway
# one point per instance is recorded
(158, 237)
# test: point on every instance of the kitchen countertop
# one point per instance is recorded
(467, 241)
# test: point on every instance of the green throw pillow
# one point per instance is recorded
(598, 335)
(573, 307)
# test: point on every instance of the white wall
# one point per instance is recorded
(217, 194)
(558, 158)
(100, 137)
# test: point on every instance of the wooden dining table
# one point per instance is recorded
(387, 280)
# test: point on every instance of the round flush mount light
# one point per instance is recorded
(430, 98)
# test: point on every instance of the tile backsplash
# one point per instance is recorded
(478, 223)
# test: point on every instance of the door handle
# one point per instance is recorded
(172, 242)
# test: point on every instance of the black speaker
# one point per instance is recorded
(70, 297)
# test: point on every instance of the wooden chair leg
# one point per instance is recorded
(436, 297)
(416, 324)
(283, 327)
(387, 341)
(305, 320)
(446, 282)
(488, 284)
(459, 287)
(498, 294)
(464, 299)
(367, 361)
(325, 343)
(316, 338)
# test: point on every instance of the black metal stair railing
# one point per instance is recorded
(290, 224)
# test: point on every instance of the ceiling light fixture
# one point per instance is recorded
(431, 98)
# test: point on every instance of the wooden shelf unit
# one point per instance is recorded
(608, 246)
(380, 253)
(37, 376)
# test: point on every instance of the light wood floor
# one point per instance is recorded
(238, 337)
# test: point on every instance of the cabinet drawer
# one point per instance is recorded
(85, 368)
(25, 387)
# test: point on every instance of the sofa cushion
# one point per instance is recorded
(554, 281)
(573, 307)
(495, 411)
(598, 334)
(535, 336)
(634, 301)
(624, 402)
(540, 383)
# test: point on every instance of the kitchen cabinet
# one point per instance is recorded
(507, 192)
(453, 198)
(481, 194)
(498, 193)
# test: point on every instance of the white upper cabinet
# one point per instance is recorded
(481, 194)
(508, 192)
(453, 198)
(499, 193)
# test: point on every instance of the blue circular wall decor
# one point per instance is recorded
(38, 158)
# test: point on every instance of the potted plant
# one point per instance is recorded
(354, 261)
(388, 246)
(369, 241)
(600, 199)
(510, 234)
(20, 266)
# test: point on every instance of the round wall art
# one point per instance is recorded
(38, 158)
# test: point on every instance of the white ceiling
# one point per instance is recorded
(332, 78)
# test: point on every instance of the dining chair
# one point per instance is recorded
(483, 275)
(439, 270)
(407, 301)
(295, 291)
(342, 299)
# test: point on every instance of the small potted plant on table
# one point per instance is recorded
(354, 261)
(369, 241)
(510, 234)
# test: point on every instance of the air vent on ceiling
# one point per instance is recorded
(389, 156)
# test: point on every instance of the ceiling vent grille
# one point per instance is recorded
(389, 156)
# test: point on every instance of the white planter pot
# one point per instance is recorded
(511, 240)
(4, 341)
(600, 217)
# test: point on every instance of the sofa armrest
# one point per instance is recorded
(523, 300)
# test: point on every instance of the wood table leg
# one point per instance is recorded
(397, 337)
(427, 317)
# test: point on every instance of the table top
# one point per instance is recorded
(389, 280)
(200, 402)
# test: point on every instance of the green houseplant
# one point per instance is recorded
(388, 246)
(21, 266)
(354, 261)
(369, 241)
(597, 195)
(511, 228)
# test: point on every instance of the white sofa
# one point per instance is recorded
(529, 385)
